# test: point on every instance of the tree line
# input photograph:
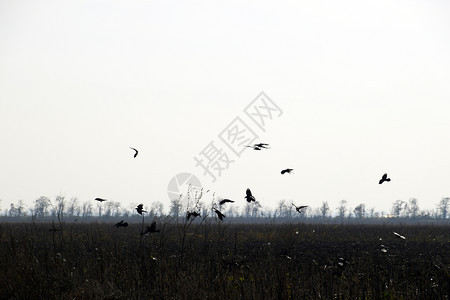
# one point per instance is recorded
(44, 208)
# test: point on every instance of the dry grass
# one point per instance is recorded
(224, 261)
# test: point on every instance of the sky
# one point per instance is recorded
(362, 88)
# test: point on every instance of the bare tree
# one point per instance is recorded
(109, 209)
(12, 210)
(324, 209)
(116, 209)
(342, 208)
(397, 208)
(73, 206)
(20, 209)
(159, 208)
(290, 209)
(58, 209)
(99, 206)
(413, 208)
(33, 216)
(247, 210)
(87, 210)
(360, 211)
(281, 209)
(443, 207)
(175, 208)
(41, 206)
(256, 208)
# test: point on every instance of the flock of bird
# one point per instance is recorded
(191, 215)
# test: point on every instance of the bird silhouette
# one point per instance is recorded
(299, 208)
(259, 146)
(121, 224)
(399, 235)
(262, 145)
(135, 152)
(140, 209)
(384, 178)
(289, 171)
(192, 214)
(219, 214)
(99, 199)
(151, 229)
(254, 147)
(225, 201)
(249, 196)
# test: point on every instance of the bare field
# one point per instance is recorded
(224, 261)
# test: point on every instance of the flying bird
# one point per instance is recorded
(151, 229)
(299, 208)
(384, 178)
(289, 171)
(192, 214)
(121, 224)
(225, 201)
(259, 146)
(262, 145)
(135, 152)
(249, 196)
(399, 235)
(254, 147)
(219, 214)
(99, 199)
(140, 209)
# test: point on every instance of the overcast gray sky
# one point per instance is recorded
(363, 87)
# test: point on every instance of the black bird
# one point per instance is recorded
(136, 152)
(259, 146)
(299, 208)
(192, 214)
(225, 201)
(151, 228)
(286, 171)
(99, 199)
(140, 209)
(262, 145)
(121, 224)
(219, 214)
(384, 178)
(254, 147)
(249, 196)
